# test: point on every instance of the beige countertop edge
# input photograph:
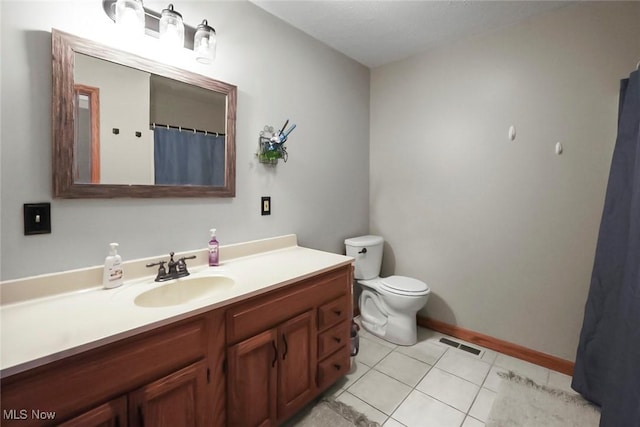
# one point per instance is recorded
(276, 253)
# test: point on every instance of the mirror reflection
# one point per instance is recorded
(135, 127)
(127, 126)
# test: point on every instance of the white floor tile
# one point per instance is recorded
(448, 388)
(368, 335)
(468, 368)
(472, 422)
(369, 411)
(481, 407)
(420, 410)
(523, 368)
(424, 351)
(560, 381)
(393, 423)
(333, 391)
(403, 368)
(493, 380)
(433, 337)
(371, 352)
(453, 388)
(348, 380)
(489, 356)
(380, 391)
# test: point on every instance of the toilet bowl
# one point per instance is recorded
(388, 306)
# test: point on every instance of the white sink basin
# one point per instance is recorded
(184, 290)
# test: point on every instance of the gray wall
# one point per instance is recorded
(503, 232)
(319, 194)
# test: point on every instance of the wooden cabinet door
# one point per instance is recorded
(110, 414)
(252, 381)
(176, 400)
(297, 350)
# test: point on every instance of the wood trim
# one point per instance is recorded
(93, 93)
(63, 48)
(505, 347)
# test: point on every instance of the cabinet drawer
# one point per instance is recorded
(333, 312)
(265, 311)
(333, 367)
(333, 338)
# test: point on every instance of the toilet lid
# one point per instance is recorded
(404, 284)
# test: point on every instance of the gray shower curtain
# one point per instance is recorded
(188, 158)
(607, 369)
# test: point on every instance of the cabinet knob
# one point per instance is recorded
(337, 366)
(337, 312)
(337, 339)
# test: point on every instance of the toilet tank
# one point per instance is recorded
(367, 251)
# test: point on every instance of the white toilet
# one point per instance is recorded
(388, 306)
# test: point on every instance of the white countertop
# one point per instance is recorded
(41, 330)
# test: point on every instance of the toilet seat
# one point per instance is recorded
(402, 285)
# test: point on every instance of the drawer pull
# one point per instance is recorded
(337, 366)
(337, 312)
(337, 339)
(275, 354)
(286, 346)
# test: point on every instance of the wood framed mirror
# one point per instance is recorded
(127, 126)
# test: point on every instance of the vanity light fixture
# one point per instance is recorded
(152, 23)
(129, 16)
(171, 28)
(204, 43)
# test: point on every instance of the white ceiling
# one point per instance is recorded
(376, 32)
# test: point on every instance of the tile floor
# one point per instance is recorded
(430, 383)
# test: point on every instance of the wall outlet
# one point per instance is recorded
(265, 208)
(37, 218)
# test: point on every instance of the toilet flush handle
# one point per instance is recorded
(363, 251)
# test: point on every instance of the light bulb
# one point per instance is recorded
(130, 17)
(204, 43)
(171, 28)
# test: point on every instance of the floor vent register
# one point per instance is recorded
(460, 346)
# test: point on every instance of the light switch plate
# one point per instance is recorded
(37, 218)
(265, 208)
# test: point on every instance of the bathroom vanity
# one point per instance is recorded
(253, 353)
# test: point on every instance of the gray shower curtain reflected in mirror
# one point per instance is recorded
(607, 369)
(184, 157)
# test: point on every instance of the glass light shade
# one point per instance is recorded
(130, 16)
(171, 28)
(204, 43)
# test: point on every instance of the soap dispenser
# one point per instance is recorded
(214, 247)
(113, 269)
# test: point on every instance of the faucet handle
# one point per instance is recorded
(160, 263)
(182, 265)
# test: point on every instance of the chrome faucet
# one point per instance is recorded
(176, 268)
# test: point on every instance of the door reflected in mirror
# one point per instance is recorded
(139, 128)
(87, 134)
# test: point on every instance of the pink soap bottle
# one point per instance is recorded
(214, 247)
